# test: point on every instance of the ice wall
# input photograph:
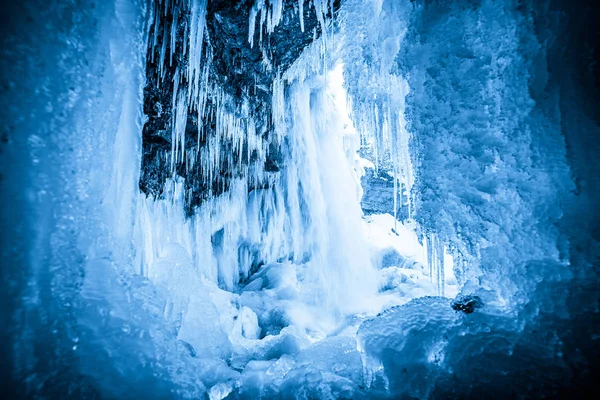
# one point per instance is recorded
(476, 178)
(492, 179)
(457, 89)
(75, 74)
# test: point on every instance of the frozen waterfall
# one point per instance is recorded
(299, 199)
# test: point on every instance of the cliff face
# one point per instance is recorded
(237, 77)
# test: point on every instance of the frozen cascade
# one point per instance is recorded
(186, 230)
(305, 217)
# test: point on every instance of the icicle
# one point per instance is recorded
(163, 51)
(301, 14)
(174, 137)
(185, 37)
(321, 11)
(263, 17)
(395, 167)
(155, 28)
(252, 25)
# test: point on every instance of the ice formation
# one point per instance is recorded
(214, 245)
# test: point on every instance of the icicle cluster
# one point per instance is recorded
(377, 92)
(269, 14)
(228, 135)
(377, 96)
(278, 107)
(196, 98)
(435, 259)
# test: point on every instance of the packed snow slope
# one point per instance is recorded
(299, 199)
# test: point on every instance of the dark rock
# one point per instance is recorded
(467, 304)
(378, 195)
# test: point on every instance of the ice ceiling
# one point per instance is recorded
(299, 199)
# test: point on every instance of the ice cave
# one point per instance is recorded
(300, 199)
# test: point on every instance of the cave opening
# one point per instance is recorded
(300, 199)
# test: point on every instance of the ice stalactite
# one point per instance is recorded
(435, 259)
(377, 95)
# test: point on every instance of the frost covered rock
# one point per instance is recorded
(467, 304)
(378, 193)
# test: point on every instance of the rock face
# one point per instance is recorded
(378, 195)
(239, 78)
